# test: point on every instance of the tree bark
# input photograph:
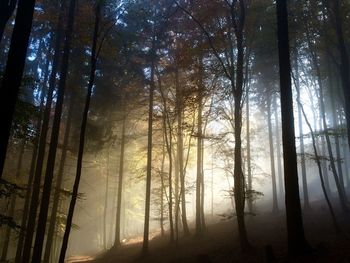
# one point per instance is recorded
(13, 73)
(56, 198)
(272, 158)
(344, 63)
(301, 138)
(45, 200)
(199, 177)
(42, 142)
(120, 184)
(149, 152)
(297, 243)
(278, 152)
(93, 62)
(6, 11)
(249, 165)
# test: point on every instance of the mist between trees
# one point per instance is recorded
(128, 121)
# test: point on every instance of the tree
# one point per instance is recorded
(94, 57)
(6, 11)
(45, 199)
(14, 70)
(297, 244)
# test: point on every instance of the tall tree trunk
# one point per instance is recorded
(162, 189)
(149, 152)
(12, 78)
(169, 146)
(120, 184)
(181, 166)
(177, 194)
(278, 152)
(239, 182)
(249, 165)
(204, 227)
(60, 175)
(344, 63)
(199, 178)
(340, 188)
(297, 243)
(272, 158)
(25, 213)
(6, 11)
(93, 62)
(301, 137)
(45, 200)
(318, 162)
(105, 205)
(180, 154)
(42, 142)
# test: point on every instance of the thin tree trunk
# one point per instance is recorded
(12, 78)
(249, 165)
(344, 63)
(199, 229)
(204, 227)
(25, 214)
(105, 206)
(278, 152)
(58, 186)
(340, 188)
(6, 11)
(181, 168)
(45, 200)
(82, 129)
(42, 143)
(272, 159)
(318, 162)
(120, 184)
(297, 243)
(301, 138)
(149, 152)
(162, 189)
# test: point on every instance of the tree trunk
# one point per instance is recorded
(6, 11)
(301, 137)
(239, 182)
(162, 189)
(340, 188)
(199, 229)
(278, 153)
(204, 227)
(56, 198)
(12, 78)
(42, 142)
(120, 184)
(318, 162)
(93, 62)
(297, 243)
(181, 163)
(45, 199)
(249, 165)
(149, 152)
(344, 63)
(272, 159)
(25, 213)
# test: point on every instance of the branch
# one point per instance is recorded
(216, 54)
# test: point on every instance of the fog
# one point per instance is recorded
(174, 131)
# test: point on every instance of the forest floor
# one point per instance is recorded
(220, 242)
